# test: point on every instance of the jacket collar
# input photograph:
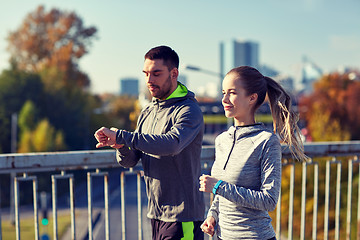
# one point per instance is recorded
(241, 131)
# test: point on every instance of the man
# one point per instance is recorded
(168, 139)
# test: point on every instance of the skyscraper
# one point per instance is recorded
(234, 53)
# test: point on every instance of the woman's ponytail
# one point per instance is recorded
(285, 119)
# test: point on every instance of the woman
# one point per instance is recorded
(246, 175)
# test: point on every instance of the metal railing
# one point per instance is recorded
(332, 153)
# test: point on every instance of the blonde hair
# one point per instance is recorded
(284, 118)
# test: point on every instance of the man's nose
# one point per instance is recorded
(149, 79)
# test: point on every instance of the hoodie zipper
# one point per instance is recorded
(155, 118)
(232, 147)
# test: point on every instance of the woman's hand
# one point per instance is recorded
(207, 183)
(208, 226)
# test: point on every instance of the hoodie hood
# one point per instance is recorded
(179, 94)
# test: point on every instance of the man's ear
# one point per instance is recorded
(174, 73)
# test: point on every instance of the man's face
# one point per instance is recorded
(160, 81)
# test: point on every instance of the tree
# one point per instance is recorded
(67, 110)
(49, 45)
(332, 110)
(16, 87)
(52, 43)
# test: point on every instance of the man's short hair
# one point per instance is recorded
(168, 55)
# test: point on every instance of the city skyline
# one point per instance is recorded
(323, 31)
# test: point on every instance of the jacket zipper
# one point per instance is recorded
(232, 147)
(155, 116)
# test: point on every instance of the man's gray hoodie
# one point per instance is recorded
(168, 140)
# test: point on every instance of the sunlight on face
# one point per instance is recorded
(236, 102)
(158, 78)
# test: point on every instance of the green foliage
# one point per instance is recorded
(44, 138)
(27, 117)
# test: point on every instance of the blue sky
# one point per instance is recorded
(326, 31)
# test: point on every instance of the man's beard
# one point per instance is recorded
(164, 91)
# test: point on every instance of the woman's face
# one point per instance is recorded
(237, 103)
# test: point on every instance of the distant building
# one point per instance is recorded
(310, 72)
(129, 87)
(234, 53)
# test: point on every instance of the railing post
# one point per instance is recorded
(338, 200)
(17, 204)
(303, 201)
(89, 185)
(106, 202)
(291, 201)
(106, 206)
(349, 195)
(278, 216)
(122, 192)
(54, 206)
(316, 197)
(140, 227)
(349, 198)
(327, 195)
(54, 179)
(72, 206)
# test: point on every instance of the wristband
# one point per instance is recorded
(216, 186)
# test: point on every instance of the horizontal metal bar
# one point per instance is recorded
(53, 161)
(323, 149)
